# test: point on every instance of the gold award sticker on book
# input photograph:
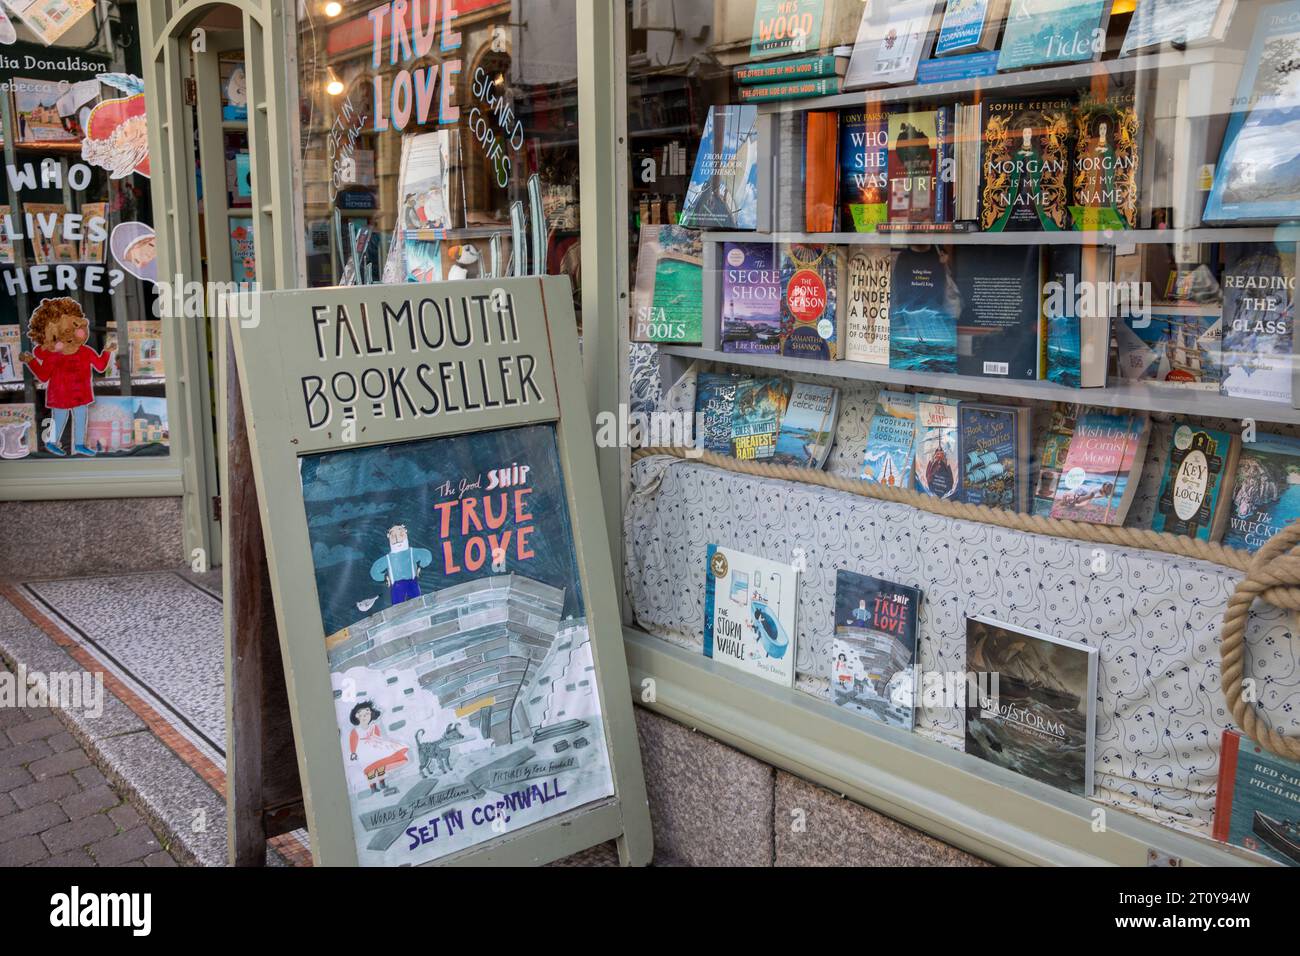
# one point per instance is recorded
(719, 565)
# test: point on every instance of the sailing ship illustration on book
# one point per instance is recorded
(983, 467)
(1281, 835)
(723, 193)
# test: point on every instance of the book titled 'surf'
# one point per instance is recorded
(1036, 712)
(1106, 136)
(874, 648)
(1258, 802)
(1026, 174)
(749, 613)
(864, 168)
(1265, 491)
(1192, 499)
(994, 444)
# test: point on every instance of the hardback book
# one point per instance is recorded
(750, 606)
(821, 170)
(243, 257)
(1193, 498)
(45, 227)
(1265, 491)
(1026, 165)
(668, 299)
(9, 227)
(810, 284)
(1038, 717)
(234, 89)
(426, 209)
(793, 28)
(1075, 317)
(1181, 348)
(18, 433)
(37, 118)
(923, 309)
(1183, 23)
(938, 461)
(999, 332)
(751, 298)
(1053, 32)
(1056, 447)
(1258, 173)
(789, 90)
(756, 417)
(994, 445)
(864, 168)
(866, 305)
(788, 173)
(1107, 135)
(715, 403)
(94, 232)
(11, 346)
(968, 132)
(422, 260)
(723, 193)
(1258, 316)
(145, 339)
(892, 39)
(913, 166)
(970, 25)
(891, 442)
(1257, 800)
(1100, 475)
(128, 425)
(873, 652)
(785, 71)
(807, 429)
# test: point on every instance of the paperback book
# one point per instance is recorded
(424, 192)
(750, 604)
(810, 277)
(866, 306)
(821, 170)
(999, 332)
(807, 429)
(789, 90)
(723, 192)
(37, 118)
(873, 653)
(1183, 23)
(994, 442)
(799, 68)
(970, 25)
(891, 442)
(1183, 349)
(923, 305)
(864, 168)
(1193, 490)
(756, 417)
(1076, 319)
(11, 346)
(1257, 805)
(938, 461)
(1039, 720)
(1053, 32)
(94, 232)
(1265, 491)
(1026, 165)
(243, 257)
(1051, 460)
(1258, 317)
(1100, 475)
(913, 166)
(1106, 154)
(17, 430)
(145, 339)
(668, 299)
(751, 298)
(715, 400)
(892, 38)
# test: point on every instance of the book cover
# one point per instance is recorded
(1258, 315)
(821, 170)
(1265, 491)
(45, 226)
(1102, 467)
(807, 429)
(1107, 134)
(723, 192)
(892, 38)
(864, 168)
(1257, 800)
(891, 442)
(11, 346)
(1192, 499)
(789, 90)
(1183, 349)
(938, 461)
(994, 461)
(749, 613)
(94, 232)
(913, 166)
(810, 276)
(1039, 720)
(1077, 315)
(243, 258)
(1258, 173)
(424, 195)
(866, 305)
(1024, 183)
(799, 68)
(785, 27)
(234, 89)
(128, 425)
(145, 339)
(9, 227)
(1180, 22)
(923, 308)
(756, 417)
(18, 433)
(37, 118)
(1053, 32)
(668, 298)
(751, 298)
(969, 25)
(788, 172)
(873, 653)
(998, 332)
(1056, 447)
(715, 403)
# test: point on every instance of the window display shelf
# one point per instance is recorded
(1115, 237)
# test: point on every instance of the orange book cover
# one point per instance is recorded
(821, 171)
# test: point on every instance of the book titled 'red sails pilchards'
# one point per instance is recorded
(723, 193)
(1037, 716)
(1101, 470)
(1025, 184)
(874, 648)
(938, 468)
(749, 613)
(1258, 801)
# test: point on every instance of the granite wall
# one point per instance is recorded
(51, 539)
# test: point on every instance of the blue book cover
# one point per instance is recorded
(1061, 317)
(963, 26)
(1183, 22)
(1200, 463)
(715, 398)
(938, 457)
(873, 652)
(807, 428)
(1258, 801)
(864, 168)
(1179, 349)
(1053, 32)
(751, 298)
(993, 440)
(891, 442)
(998, 326)
(923, 309)
(723, 193)
(1265, 492)
(809, 301)
(1258, 315)
(1258, 174)
(756, 417)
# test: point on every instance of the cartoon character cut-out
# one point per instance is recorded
(367, 746)
(62, 360)
(400, 568)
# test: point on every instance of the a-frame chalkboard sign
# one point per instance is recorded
(426, 481)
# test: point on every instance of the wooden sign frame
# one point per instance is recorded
(287, 356)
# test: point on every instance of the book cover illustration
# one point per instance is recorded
(37, 117)
(17, 430)
(11, 369)
(8, 228)
(1077, 311)
(866, 306)
(49, 19)
(145, 339)
(715, 402)
(46, 225)
(923, 309)
(234, 89)
(1040, 32)
(749, 613)
(913, 166)
(1191, 498)
(993, 442)
(1258, 173)
(998, 331)
(938, 462)
(94, 232)
(809, 303)
(456, 636)
(723, 193)
(785, 27)
(873, 653)
(1181, 22)
(1258, 801)
(1265, 491)
(128, 425)
(424, 187)
(864, 168)
(668, 299)
(1258, 314)
(807, 428)
(1183, 349)
(756, 417)
(1051, 460)
(890, 42)
(1026, 174)
(751, 298)
(1040, 720)
(969, 25)
(243, 257)
(1106, 136)
(1101, 468)
(422, 260)
(891, 442)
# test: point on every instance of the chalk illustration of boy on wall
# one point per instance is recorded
(400, 568)
(367, 746)
(63, 361)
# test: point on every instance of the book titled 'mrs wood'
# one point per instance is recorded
(1258, 802)
(749, 613)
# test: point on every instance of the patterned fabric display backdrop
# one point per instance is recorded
(1155, 618)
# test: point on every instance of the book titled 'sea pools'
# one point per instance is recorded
(750, 605)
(668, 300)
(1258, 802)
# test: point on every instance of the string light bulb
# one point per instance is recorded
(333, 8)
(333, 85)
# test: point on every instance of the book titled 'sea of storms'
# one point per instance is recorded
(1258, 801)
(1035, 712)
(749, 613)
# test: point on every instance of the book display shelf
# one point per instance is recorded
(885, 209)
